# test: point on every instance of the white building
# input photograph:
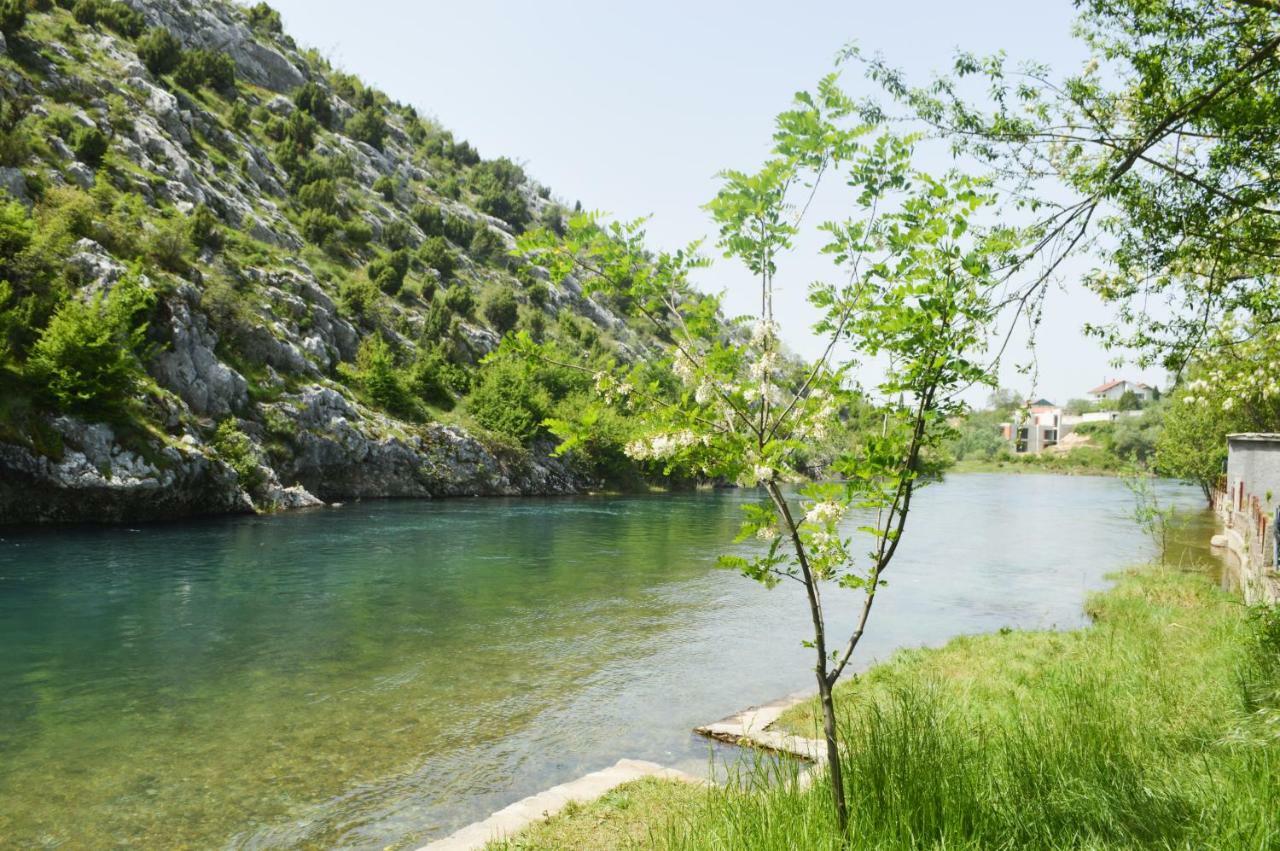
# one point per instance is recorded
(1112, 390)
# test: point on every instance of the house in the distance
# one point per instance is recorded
(1035, 428)
(1111, 391)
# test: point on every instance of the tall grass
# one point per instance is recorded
(1155, 728)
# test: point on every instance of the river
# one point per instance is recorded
(377, 675)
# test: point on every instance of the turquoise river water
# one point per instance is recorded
(377, 675)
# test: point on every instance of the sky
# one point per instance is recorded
(633, 108)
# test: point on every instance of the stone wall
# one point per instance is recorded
(1247, 508)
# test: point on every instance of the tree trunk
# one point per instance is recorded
(833, 748)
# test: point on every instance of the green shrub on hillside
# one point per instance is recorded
(436, 254)
(497, 184)
(501, 311)
(319, 195)
(204, 227)
(368, 126)
(386, 187)
(211, 68)
(314, 100)
(13, 16)
(358, 297)
(460, 299)
(264, 20)
(90, 145)
(160, 51)
(430, 378)
(487, 247)
(378, 376)
(509, 400)
(237, 451)
(169, 245)
(318, 227)
(429, 219)
(86, 358)
(389, 270)
(15, 136)
(396, 235)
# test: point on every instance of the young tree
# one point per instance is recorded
(915, 297)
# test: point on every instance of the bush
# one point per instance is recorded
(436, 254)
(358, 296)
(501, 312)
(386, 187)
(486, 246)
(368, 126)
(319, 195)
(204, 228)
(429, 219)
(211, 68)
(429, 379)
(396, 235)
(509, 400)
(241, 116)
(497, 183)
(160, 51)
(380, 379)
(314, 100)
(317, 226)
(539, 294)
(90, 145)
(86, 357)
(169, 245)
(13, 16)
(264, 20)
(121, 18)
(389, 270)
(85, 12)
(15, 137)
(460, 300)
(461, 231)
(237, 451)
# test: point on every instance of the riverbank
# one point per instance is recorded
(1158, 725)
(1078, 462)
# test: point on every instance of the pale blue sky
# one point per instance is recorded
(633, 108)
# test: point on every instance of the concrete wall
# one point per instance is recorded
(1247, 508)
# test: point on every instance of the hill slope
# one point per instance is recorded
(232, 276)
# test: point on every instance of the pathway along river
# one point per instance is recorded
(380, 674)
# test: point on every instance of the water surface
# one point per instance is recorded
(377, 675)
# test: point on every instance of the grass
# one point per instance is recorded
(1157, 727)
(1082, 461)
(631, 816)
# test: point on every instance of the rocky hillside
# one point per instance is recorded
(233, 278)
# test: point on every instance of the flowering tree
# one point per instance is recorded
(1232, 385)
(915, 297)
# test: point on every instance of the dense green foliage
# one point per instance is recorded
(87, 357)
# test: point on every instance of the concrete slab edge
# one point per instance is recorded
(751, 727)
(514, 818)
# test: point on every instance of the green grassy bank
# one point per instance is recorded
(1157, 727)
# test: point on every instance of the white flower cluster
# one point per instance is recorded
(825, 512)
(659, 446)
(764, 367)
(612, 389)
(684, 368)
(764, 331)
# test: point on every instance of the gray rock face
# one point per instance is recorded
(96, 479)
(211, 25)
(188, 365)
(14, 183)
(341, 452)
